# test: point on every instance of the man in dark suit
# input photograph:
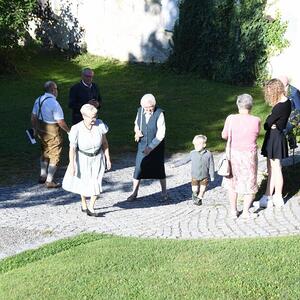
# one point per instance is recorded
(86, 91)
(292, 92)
(294, 95)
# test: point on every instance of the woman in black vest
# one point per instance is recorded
(149, 131)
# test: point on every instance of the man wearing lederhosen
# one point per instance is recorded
(47, 120)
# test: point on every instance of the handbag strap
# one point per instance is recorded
(228, 144)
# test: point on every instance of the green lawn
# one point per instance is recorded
(105, 267)
(192, 105)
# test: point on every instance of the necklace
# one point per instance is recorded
(89, 128)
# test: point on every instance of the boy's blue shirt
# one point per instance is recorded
(202, 164)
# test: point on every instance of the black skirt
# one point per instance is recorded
(275, 145)
(151, 166)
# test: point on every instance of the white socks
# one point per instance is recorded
(44, 168)
(51, 172)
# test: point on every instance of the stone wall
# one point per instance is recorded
(135, 30)
(141, 30)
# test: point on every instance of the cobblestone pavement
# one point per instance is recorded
(32, 215)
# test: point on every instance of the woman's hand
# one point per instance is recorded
(138, 135)
(108, 164)
(147, 150)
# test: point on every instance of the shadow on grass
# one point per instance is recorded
(192, 106)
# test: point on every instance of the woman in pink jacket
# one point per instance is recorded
(243, 129)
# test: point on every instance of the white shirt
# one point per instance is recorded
(50, 110)
(161, 129)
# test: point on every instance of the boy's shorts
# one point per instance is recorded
(203, 181)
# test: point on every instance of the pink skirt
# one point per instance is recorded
(244, 172)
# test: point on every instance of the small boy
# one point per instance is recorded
(202, 168)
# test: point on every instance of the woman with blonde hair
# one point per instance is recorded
(275, 145)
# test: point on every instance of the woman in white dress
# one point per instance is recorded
(88, 152)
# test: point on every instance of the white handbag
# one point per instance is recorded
(224, 168)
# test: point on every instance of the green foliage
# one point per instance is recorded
(295, 122)
(14, 17)
(229, 41)
(131, 268)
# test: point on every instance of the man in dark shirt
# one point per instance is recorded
(292, 92)
(86, 91)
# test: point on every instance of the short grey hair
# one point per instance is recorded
(48, 86)
(244, 101)
(88, 110)
(148, 99)
(86, 70)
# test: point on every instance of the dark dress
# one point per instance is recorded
(152, 165)
(275, 144)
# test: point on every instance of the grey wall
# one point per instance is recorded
(139, 30)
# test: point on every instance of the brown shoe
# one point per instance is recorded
(52, 185)
(42, 179)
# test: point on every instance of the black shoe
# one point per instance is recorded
(42, 179)
(93, 214)
(132, 198)
(164, 198)
(198, 201)
(194, 197)
(84, 210)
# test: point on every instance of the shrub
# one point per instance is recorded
(229, 40)
(14, 18)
